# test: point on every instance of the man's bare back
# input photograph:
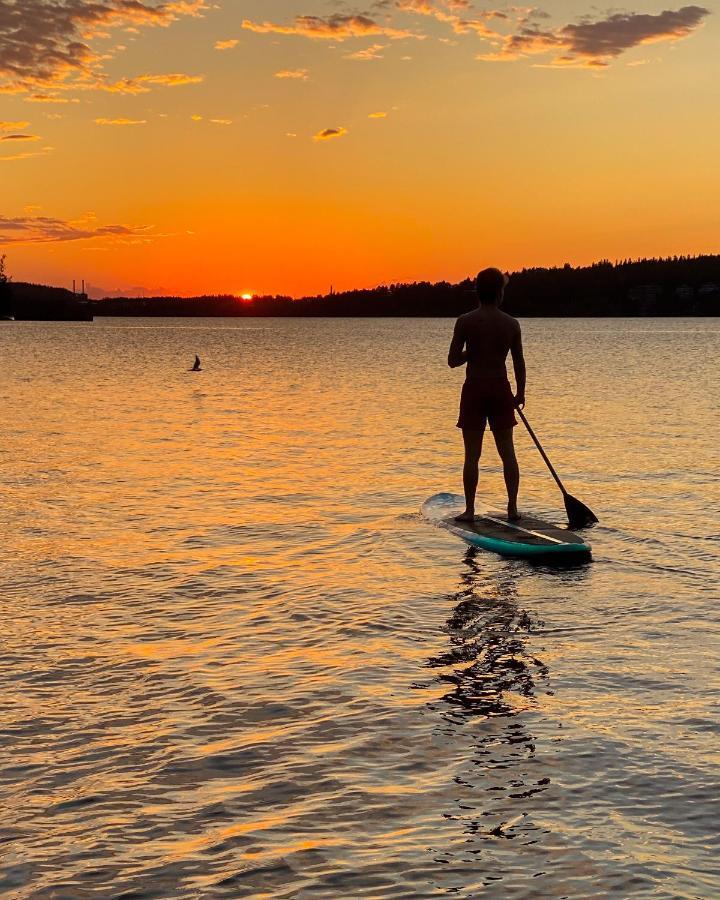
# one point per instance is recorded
(489, 335)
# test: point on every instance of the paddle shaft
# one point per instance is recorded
(542, 452)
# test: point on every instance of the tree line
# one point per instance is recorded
(679, 285)
(673, 286)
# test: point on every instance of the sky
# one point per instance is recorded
(284, 146)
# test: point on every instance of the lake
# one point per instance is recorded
(237, 662)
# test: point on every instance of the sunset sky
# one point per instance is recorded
(276, 146)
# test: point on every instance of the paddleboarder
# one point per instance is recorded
(482, 340)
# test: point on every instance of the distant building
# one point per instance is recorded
(646, 298)
(708, 289)
(684, 292)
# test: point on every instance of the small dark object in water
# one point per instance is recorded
(196, 366)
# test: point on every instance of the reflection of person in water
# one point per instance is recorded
(489, 632)
(494, 676)
(494, 725)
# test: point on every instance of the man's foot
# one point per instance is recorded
(513, 514)
(466, 516)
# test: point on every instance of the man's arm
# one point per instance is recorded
(516, 348)
(457, 356)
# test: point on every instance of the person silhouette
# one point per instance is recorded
(483, 339)
(196, 366)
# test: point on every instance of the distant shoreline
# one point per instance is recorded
(676, 286)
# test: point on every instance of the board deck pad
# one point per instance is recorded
(528, 537)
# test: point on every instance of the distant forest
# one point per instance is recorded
(680, 285)
(677, 286)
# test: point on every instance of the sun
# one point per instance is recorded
(246, 296)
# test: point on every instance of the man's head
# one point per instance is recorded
(490, 286)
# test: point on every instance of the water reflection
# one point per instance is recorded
(496, 680)
(489, 663)
(494, 675)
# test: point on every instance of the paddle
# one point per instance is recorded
(579, 515)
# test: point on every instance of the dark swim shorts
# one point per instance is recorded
(486, 399)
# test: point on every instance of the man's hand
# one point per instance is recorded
(519, 401)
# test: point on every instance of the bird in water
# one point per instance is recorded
(196, 366)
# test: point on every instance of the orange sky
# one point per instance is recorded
(191, 146)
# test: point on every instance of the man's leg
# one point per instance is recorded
(511, 471)
(473, 440)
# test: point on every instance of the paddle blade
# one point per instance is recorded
(579, 515)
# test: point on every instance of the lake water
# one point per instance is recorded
(236, 662)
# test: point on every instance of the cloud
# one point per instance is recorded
(49, 44)
(96, 292)
(13, 126)
(142, 84)
(436, 11)
(378, 115)
(45, 230)
(226, 45)
(19, 137)
(296, 74)
(447, 12)
(368, 54)
(329, 133)
(49, 98)
(622, 31)
(25, 154)
(596, 43)
(335, 28)
(221, 121)
(120, 121)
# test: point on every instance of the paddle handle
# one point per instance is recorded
(542, 452)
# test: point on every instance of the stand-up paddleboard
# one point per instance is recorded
(527, 538)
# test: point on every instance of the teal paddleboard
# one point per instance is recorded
(528, 538)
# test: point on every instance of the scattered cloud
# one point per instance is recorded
(595, 43)
(143, 84)
(25, 154)
(49, 98)
(221, 121)
(51, 45)
(592, 41)
(443, 12)
(13, 126)
(226, 45)
(378, 115)
(368, 54)
(335, 28)
(329, 133)
(44, 230)
(120, 121)
(19, 137)
(295, 74)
